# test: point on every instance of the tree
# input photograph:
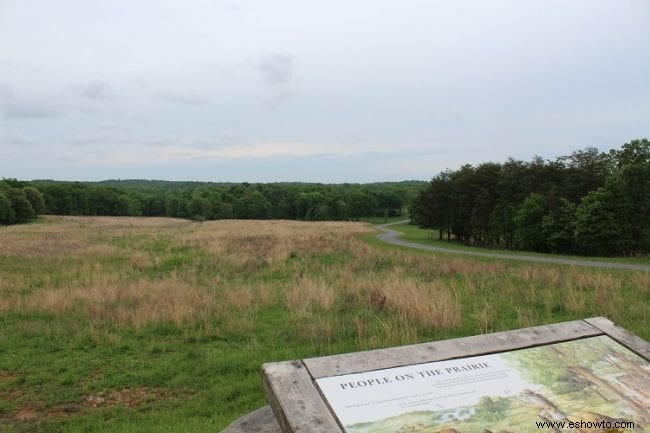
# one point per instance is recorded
(481, 211)
(389, 202)
(36, 199)
(58, 199)
(602, 225)
(198, 208)
(634, 177)
(584, 171)
(253, 205)
(173, 207)
(558, 227)
(502, 226)
(7, 214)
(23, 210)
(528, 222)
(361, 203)
(154, 205)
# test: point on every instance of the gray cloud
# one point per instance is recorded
(278, 98)
(96, 90)
(5, 93)
(276, 69)
(184, 99)
(13, 67)
(19, 140)
(27, 110)
(20, 108)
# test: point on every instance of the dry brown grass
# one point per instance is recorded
(308, 293)
(136, 271)
(137, 304)
(427, 303)
(95, 267)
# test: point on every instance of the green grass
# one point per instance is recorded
(383, 220)
(155, 325)
(424, 236)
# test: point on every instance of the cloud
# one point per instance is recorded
(229, 5)
(96, 90)
(27, 110)
(274, 101)
(184, 99)
(5, 93)
(19, 140)
(276, 69)
(157, 150)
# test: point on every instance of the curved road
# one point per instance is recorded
(392, 237)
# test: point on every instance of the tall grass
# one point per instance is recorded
(94, 308)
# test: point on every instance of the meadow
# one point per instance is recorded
(161, 325)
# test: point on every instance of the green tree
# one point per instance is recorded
(22, 208)
(584, 171)
(602, 224)
(528, 222)
(7, 214)
(480, 219)
(173, 207)
(558, 227)
(389, 202)
(502, 225)
(36, 199)
(253, 205)
(198, 208)
(633, 161)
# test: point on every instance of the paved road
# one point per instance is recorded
(392, 237)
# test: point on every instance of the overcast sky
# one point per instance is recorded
(328, 91)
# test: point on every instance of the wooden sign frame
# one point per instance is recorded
(299, 407)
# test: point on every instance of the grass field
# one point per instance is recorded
(424, 236)
(161, 325)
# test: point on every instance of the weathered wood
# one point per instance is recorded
(448, 349)
(296, 403)
(626, 338)
(299, 406)
(261, 420)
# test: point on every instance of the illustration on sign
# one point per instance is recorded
(591, 380)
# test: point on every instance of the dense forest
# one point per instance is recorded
(21, 201)
(589, 202)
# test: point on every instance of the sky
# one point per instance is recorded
(313, 91)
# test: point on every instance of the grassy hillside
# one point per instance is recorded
(161, 325)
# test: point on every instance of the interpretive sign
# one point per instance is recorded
(587, 372)
(593, 380)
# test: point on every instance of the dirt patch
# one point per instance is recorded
(6, 375)
(12, 395)
(64, 411)
(129, 398)
(36, 410)
(25, 414)
(33, 411)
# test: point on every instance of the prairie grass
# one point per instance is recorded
(182, 314)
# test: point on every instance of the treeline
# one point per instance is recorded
(20, 203)
(589, 202)
(207, 201)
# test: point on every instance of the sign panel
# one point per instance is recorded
(590, 380)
